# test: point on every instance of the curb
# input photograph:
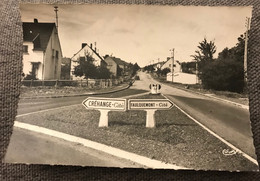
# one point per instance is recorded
(78, 95)
(214, 97)
(142, 160)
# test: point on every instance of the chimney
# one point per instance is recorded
(35, 20)
(83, 45)
(95, 49)
(91, 45)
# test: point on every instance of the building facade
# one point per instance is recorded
(42, 52)
(116, 66)
(85, 51)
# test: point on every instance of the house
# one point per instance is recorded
(86, 50)
(168, 64)
(42, 52)
(116, 66)
(177, 75)
(158, 65)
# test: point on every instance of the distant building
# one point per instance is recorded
(116, 66)
(176, 65)
(41, 50)
(82, 55)
(158, 65)
(178, 76)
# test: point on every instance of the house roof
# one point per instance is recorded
(118, 61)
(38, 33)
(90, 48)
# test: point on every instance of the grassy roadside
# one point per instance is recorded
(176, 139)
(231, 96)
(66, 90)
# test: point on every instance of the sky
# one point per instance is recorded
(141, 33)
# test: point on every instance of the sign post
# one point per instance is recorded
(104, 105)
(150, 106)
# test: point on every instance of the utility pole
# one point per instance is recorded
(172, 70)
(56, 12)
(245, 53)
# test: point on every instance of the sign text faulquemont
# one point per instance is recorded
(160, 104)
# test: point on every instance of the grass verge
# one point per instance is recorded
(66, 90)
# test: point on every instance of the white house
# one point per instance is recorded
(42, 52)
(82, 54)
(168, 64)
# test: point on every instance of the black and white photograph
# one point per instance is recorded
(134, 86)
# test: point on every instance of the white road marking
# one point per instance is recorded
(151, 163)
(217, 136)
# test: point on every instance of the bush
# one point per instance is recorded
(225, 75)
(165, 71)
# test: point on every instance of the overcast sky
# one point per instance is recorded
(138, 33)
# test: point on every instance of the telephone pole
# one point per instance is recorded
(245, 53)
(172, 70)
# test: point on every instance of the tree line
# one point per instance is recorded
(226, 72)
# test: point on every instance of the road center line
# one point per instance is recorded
(217, 136)
(151, 163)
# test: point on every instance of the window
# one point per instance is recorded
(25, 48)
(170, 65)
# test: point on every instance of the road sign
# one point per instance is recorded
(155, 88)
(112, 104)
(145, 104)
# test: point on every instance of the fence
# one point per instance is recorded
(90, 83)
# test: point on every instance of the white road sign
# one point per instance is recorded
(105, 103)
(144, 104)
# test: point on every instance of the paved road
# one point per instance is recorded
(227, 120)
(30, 147)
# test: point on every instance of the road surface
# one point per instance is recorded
(227, 120)
(35, 148)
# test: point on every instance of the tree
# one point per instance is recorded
(149, 68)
(205, 53)
(65, 71)
(188, 67)
(86, 67)
(227, 72)
(135, 68)
(165, 71)
(119, 71)
(225, 75)
(103, 73)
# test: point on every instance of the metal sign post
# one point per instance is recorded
(104, 105)
(150, 106)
